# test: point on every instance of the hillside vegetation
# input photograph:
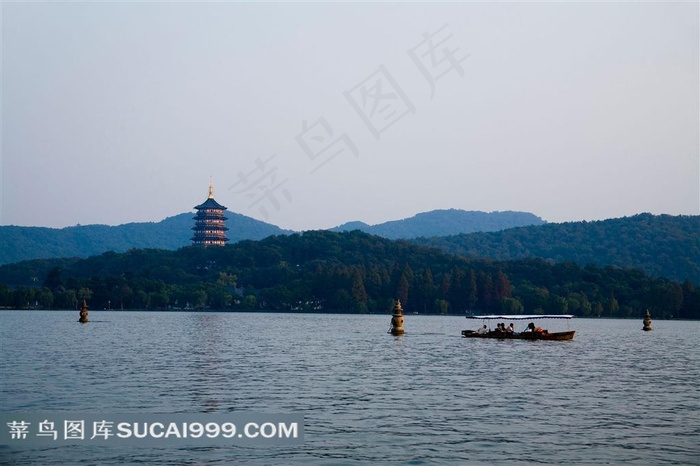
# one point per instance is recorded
(323, 271)
(23, 243)
(660, 245)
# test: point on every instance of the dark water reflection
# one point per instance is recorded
(614, 394)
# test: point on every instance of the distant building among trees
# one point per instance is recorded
(210, 227)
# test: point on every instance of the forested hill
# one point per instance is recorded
(660, 245)
(322, 271)
(22, 243)
(444, 223)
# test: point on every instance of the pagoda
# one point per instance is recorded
(209, 227)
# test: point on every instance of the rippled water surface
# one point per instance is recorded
(614, 394)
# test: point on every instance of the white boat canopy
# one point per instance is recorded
(518, 317)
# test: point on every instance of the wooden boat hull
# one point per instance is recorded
(555, 336)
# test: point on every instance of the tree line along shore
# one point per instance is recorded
(353, 272)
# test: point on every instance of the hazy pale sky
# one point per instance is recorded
(311, 115)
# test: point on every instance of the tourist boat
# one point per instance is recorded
(531, 332)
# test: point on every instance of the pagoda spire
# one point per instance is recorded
(211, 187)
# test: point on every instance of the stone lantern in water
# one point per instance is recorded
(397, 320)
(83, 313)
(647, 322)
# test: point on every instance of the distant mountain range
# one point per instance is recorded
(23, 243)
(660, 245)
(444, 223)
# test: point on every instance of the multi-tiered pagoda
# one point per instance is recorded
(209, 227)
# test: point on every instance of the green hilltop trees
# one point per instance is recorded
(661, 245)
(321, 271)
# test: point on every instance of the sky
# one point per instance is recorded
(310, 115)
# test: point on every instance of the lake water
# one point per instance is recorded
(613, 395)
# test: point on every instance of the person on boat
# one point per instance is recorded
(482, 330)
(531, 328)
(510, 329)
